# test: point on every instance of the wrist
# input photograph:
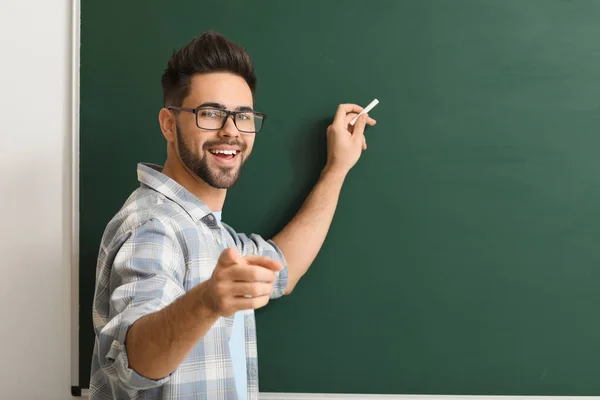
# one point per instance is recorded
(334, 172)
(206, 302)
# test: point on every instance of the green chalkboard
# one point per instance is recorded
(464, 257)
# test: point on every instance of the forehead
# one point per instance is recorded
(219, 87)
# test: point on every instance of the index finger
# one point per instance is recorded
(344, 109)
(265, 262)
(252, 273)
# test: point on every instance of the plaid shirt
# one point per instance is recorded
(162, 243)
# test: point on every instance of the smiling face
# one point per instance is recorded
(215, 156)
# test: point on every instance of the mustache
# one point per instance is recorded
(207, 145)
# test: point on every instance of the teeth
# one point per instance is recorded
(230, 152)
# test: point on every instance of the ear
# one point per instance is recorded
(168, 124)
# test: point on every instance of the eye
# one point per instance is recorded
(245, 116)
(211, 113)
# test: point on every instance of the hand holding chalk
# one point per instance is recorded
(366, 110)
(345, 143)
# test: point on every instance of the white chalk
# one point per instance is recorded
(366, 110)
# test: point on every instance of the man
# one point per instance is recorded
(176, 287)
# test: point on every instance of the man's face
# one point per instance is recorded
(215, 156)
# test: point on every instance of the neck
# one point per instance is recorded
(213, 198)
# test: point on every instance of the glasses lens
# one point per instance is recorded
(210, 118)
(249, 122)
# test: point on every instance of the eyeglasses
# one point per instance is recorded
(214, 119)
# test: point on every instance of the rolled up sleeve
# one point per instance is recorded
(145, 276)
(256, 245)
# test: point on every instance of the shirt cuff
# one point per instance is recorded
(281, 280)
(118, 360)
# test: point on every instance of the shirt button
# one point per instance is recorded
(219, 240)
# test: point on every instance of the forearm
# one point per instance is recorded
(302, 238)
(157, 343)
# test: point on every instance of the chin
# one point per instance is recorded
(223, 180)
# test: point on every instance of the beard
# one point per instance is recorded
(218, 177)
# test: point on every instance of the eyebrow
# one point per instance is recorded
(222, 106)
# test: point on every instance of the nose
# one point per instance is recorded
(229, 129)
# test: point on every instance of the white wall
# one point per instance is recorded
(35, 199)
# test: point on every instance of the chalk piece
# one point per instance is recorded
(366, 110)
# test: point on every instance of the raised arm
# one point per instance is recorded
(302, 238)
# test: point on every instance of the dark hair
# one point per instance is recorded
(210, 52)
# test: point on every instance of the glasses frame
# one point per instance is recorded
(227, 115)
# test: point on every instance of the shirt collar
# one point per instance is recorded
(151, 175)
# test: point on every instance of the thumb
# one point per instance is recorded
(229, 256)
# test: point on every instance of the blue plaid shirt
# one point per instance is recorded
(162, 243)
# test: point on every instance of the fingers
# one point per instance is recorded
(265, 262)
(230, 257)
(350, 117)
(250, 273)
(251, 289)
(243, 303)
(358, 133)
(343, 110)
(229, 305)
(369, 121)
(242, 283)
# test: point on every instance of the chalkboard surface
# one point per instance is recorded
(464, 255)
